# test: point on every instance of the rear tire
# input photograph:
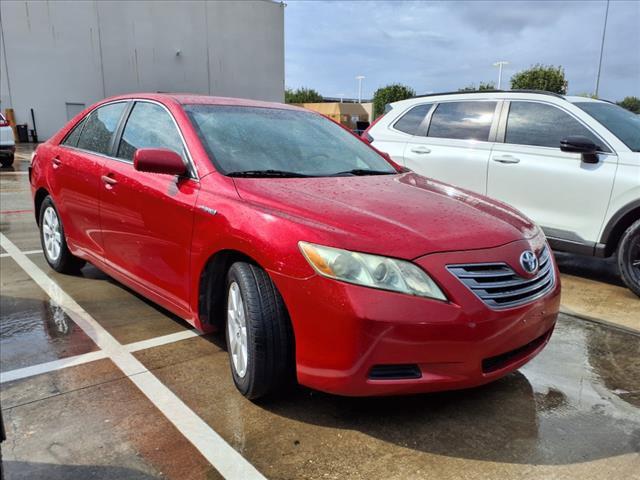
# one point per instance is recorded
(629, 257)
(258, 332)
(7, 161)
(54, 243)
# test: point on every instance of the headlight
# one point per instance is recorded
(371, 270)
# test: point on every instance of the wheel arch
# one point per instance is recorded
(211, 291)
(617, 225)
(38, 198)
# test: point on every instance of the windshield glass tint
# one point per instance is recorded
(240, 139)
(622, 123)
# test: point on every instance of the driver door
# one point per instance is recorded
(556, 189)
(146, 218)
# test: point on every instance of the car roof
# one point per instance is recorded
(196, 99)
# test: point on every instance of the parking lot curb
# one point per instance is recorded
(609, 324)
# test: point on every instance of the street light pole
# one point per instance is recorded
(604, 31)
(360, 78)
(500, 64)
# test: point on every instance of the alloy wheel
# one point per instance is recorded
(237, 330)
(51, 233)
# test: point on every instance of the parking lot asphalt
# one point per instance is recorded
(97, 382)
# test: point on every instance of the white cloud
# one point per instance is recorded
(441, 46)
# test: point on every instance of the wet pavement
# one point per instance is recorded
(573, 412)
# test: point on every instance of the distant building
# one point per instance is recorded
(346, 113)
(59, 57)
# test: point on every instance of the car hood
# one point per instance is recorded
(403, 216)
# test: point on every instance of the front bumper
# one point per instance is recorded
(343, 331)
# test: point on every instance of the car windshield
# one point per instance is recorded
(622, 123)
(250, 141)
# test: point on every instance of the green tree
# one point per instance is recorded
(630, 103)
(541, 77)
(482, 86)
(302, 95)
(389, 94)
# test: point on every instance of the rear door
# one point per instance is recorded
(454, 142)
(556, 189)
(75, 176)
(147, 218)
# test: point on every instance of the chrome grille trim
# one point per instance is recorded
(499, 286)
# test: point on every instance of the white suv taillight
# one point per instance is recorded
(366, 136)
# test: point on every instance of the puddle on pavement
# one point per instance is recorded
(577, 402)
(33, 331)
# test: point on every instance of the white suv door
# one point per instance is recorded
(556, 189)
(454, 142)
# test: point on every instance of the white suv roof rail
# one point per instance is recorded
(542, 92)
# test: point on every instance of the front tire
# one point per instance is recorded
(629, 257)
(54, 243)
(259, 339)
(7, 161)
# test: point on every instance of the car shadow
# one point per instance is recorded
(593, 268)
(506, 421)
(52, 471)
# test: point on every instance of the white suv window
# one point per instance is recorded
(462, 120)
(542, 125)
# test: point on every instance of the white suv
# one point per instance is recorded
(7, 145)
(572, 164)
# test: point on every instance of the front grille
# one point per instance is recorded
(499, 286)
(395, 372)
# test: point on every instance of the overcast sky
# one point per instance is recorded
(442, 46)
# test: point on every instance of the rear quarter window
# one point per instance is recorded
(72, 137)
(411, 120)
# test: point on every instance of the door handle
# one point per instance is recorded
(108, 180)
(506, 159)
(56, 162)
(421, 150)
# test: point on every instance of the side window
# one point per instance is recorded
(542, 125)
(462, 120)
(72, 138)
(149, 126)
(97, 133)
(411, 120)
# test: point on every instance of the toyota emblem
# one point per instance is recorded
(529, 261)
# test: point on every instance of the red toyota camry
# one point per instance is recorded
(318, 256)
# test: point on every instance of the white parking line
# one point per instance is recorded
(62, 363)
(211, 445)
(20, 373)
(27, 252)
(163, 340)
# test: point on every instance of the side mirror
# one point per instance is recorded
(579, 144)
(159, 160)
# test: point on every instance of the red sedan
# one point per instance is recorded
(318, 256)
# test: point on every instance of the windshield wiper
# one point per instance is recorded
(363, 172)
(266, 173)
